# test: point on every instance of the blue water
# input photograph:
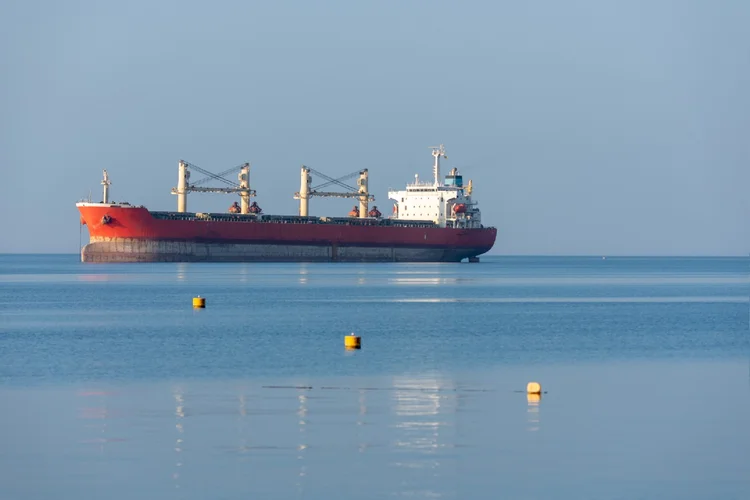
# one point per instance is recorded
(111, 384)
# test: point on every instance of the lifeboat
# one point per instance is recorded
(374, 212)
(254, 208)
(459, 208)
(354, 212)
(235, 208)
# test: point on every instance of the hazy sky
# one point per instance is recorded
(588, 127)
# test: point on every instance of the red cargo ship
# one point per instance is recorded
(431, 222)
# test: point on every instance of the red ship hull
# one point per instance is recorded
(134, 234)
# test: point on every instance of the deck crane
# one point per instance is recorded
(184, 186)
(306, 191)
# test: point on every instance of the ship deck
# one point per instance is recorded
(291, 219)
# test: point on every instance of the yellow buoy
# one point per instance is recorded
(533, 388)
(352, 341)
(199, 302)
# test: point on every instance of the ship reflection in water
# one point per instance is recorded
(418, 404)
(395, 435)
(420, 436)
(425, 409)
(302, 446)
(179, 413)
(424, 281)
(96, 415)
(182, 269)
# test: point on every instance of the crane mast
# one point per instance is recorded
(184, 186)
(105, 186)
(306, 191)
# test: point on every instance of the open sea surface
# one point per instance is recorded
(113, 386)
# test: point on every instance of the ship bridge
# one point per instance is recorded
(444, 201)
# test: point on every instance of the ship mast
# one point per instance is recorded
(437, 152)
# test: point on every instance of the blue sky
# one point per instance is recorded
(588, 127)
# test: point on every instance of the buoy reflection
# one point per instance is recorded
(533, 411)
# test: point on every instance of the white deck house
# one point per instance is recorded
(447, 202)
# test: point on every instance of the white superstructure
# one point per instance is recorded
(447, 202)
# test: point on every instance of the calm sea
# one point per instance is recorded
(113, 386)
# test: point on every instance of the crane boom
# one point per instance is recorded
(328, 194)
(184, 187)
(306, 191)
(220, 175)
(331, 180)
(218, 190)
(211, 175)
